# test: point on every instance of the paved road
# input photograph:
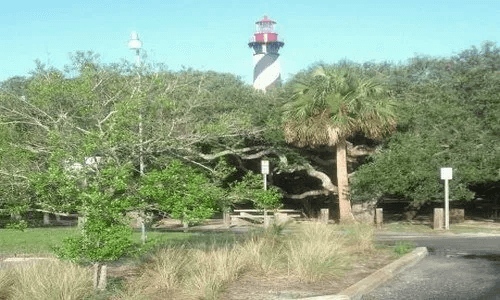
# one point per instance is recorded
(456, 268)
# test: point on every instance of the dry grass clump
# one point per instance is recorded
(180, 273)
(213, 270)
(314, 252)
(263, 254)
(359, 238)
(46, 280)
(6, 282)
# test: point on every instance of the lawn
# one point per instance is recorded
(39, 241)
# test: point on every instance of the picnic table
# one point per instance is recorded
(258, 215)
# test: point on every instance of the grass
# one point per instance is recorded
(466, 228)
(403, 247)
(197, 266)
(39, 241)
(33, 240)
(314, 252)
(408, 227)
(454, 228)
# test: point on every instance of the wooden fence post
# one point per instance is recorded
(81, 221)
(379, 217)
(227, 218)
(267, 219)
(324, 215)
(438, 218)
(46, 218)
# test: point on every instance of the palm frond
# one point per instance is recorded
(336, 102)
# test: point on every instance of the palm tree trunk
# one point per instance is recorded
(343, 182)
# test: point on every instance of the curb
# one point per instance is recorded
(368, 284)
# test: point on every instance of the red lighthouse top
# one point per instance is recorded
(265, 31)
(265, 25)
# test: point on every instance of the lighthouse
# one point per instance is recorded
(265, 44)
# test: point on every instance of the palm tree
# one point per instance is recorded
(331, 104)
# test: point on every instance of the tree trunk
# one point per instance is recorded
(100, 276)
(343, 183)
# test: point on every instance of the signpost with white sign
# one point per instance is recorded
(446, 174)
(265, 171)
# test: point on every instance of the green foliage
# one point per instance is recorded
(402, 248)
(21, 225)
(448, 115)
(181, 191)
(99, 242)
(106, 234)
(57, 189)
(450, 112)
(268, 199)
(334, 102)
(250, 188)
(409, 168)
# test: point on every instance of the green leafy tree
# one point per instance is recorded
(332, 104)
(106, 234)
(181, 191)
(449, 112)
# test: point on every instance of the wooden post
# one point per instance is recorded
(46, 218)
(324, 215)
(267, 219)
(81, 221)
(379, 217)
(438, 218)
(227, 218)
(58, 218)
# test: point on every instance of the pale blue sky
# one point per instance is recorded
(213, 35)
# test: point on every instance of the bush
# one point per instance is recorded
(18, 225)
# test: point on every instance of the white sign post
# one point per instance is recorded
(446, 174)
(265, 171)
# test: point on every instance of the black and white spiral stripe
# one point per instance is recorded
(267, 71)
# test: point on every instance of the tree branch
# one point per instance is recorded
(359, 150)
(326, 182)
(308, 194)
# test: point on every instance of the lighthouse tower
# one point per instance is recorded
(265, 44)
